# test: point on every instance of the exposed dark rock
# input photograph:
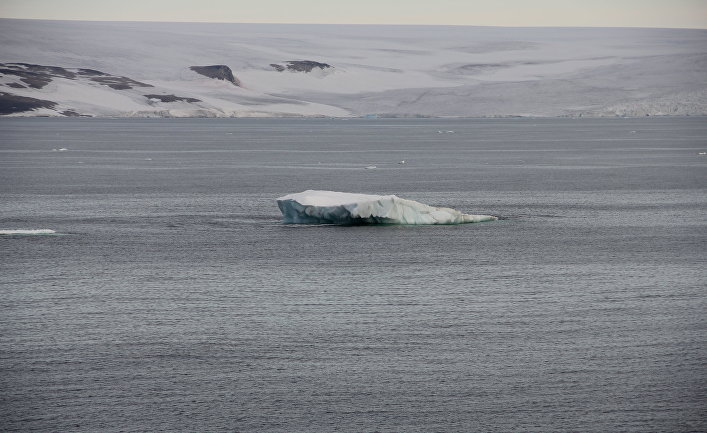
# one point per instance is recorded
(35, 76)
(93, 72)
(10, 103)
(219, 72)
(70, 113)
(119, 83)
(16, 86)
(481, 67)
(54, 71)
(300, 66)
(38, 76)
(172, 98)
(32, 79)
(35, 81)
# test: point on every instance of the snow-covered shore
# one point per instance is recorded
(157, 69)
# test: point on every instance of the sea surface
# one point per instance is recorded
(172, 298)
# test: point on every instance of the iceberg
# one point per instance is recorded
(330, 207)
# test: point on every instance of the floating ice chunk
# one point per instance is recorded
(371, 167)
(402, 162)
(329, 207)
(27, 232)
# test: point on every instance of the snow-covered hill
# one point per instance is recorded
(64, 68)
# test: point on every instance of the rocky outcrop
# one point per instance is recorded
(172, 98)
(10, 103)
(34, 76)
(91, 72)
(219, 72)
(38, 76)
(300, 66)
(119, 83)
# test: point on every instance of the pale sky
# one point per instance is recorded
(569, 13)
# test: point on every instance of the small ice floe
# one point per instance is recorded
(632, 132)
(370, 167)
(402, 162)
(445, 132)
(450, 132)
(26, 232)
(702, 153)
(63, 149)
(148, 159)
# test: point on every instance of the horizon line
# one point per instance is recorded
(357, 24)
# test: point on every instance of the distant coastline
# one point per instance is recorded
(139, 69)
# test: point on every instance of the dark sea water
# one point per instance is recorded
(173, 299)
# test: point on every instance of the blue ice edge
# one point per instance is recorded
(331, 207)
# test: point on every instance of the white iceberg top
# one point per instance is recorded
(330, 207)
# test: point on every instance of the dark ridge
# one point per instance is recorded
(305, 65)
(35, 76)
(481, 67)
(32, 79)
(10, 103)
(54, 71)
(93, 72)
(70, 113)
(278, 68)
(38, 76)
(219, 72)
(119, 83)
(172, 98)
(16, 85)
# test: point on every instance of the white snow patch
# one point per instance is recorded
(27, 232)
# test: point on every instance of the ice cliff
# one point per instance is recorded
(329, 207)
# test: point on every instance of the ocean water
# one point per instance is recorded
(172, 298)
